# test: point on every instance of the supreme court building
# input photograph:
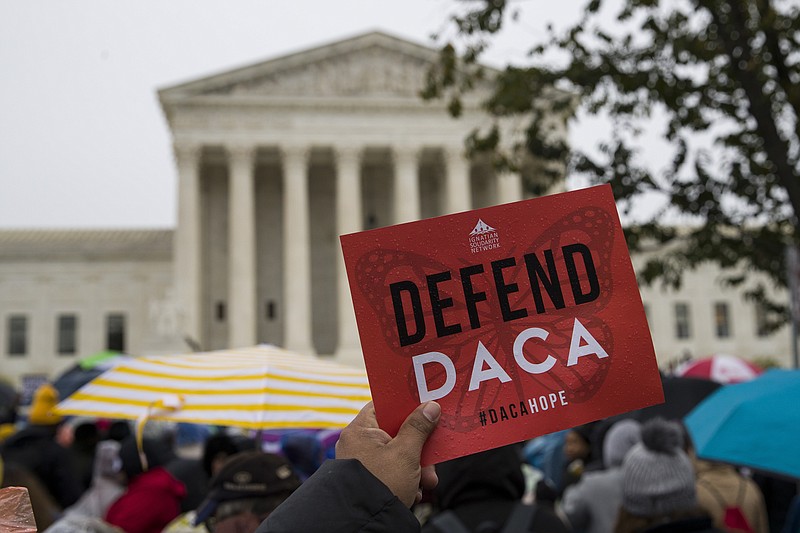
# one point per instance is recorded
(277, 159)
(274, 161)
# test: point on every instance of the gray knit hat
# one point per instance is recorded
(619, 440)
(657, 475)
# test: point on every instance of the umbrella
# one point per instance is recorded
(720, 368)
(86, 370)
(681, 395)
(754, 424)
(260, 387)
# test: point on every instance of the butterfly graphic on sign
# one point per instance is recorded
(542, 281)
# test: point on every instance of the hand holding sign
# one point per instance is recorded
(520, 319)
(395, 461)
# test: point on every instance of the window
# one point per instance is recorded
(17, 335)
(682, 321)
(271, 310)
(722, 320)
(762, 321)
(67, 342)
(115, 332)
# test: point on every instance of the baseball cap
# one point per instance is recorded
(250, 474)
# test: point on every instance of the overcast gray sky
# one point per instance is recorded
(83, 142)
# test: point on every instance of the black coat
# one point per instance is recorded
(483, 489)
(190, 472)
(341, 497)
(491, 516)
(35, 449)
(689, 525)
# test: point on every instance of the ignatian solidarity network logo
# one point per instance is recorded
(483, 237)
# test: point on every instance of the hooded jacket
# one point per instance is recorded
(153, 497)
(106, 486)
(152, 501)
(35, 449)
(483, 489)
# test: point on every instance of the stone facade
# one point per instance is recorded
(274, 161)
(718, 320)
(84, 277)
(278, 159)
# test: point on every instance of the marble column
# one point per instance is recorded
(509, 187)
(297, 253)
(457, 185)
(242, 321)
(349, 216)
(406, 184)
(188, 246)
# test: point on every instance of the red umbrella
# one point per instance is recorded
(720, 368)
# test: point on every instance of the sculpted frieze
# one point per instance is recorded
(374, 71)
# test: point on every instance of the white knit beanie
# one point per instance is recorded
(657, 475)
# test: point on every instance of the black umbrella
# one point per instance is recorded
(73, 379)
(681, 395)
(84, 371)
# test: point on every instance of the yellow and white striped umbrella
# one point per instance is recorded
(261, 387)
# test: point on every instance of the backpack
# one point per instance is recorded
(518, 521)
(733, 518)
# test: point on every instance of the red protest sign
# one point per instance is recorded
(519, 319)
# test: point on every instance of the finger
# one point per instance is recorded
(428, 478)
(418, 427)
(366, 417)
(363, 421)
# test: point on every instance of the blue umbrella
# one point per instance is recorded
(754, 424)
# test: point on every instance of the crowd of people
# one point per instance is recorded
(618, 475)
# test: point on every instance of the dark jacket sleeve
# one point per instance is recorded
(341, 497)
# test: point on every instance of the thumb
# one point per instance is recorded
(418, 427)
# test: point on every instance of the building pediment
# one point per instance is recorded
(373, 71)
(371, 65)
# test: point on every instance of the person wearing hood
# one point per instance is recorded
(153, 496)
(35, 448)
(482, 492)
(85, 437)
(106, 487)
(592, 504)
